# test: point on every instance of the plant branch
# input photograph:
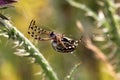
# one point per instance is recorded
(84, 8)
(112, 23)
(30, 48)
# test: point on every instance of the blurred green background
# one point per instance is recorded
(54, 15)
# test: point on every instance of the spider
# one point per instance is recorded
(59, 42)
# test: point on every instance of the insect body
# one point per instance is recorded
(70, 45)
(59, 42)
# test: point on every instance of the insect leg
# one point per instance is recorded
(36, 31)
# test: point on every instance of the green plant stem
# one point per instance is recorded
(111, 20)
(84, 8)
(70, 75)
(29, 47)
